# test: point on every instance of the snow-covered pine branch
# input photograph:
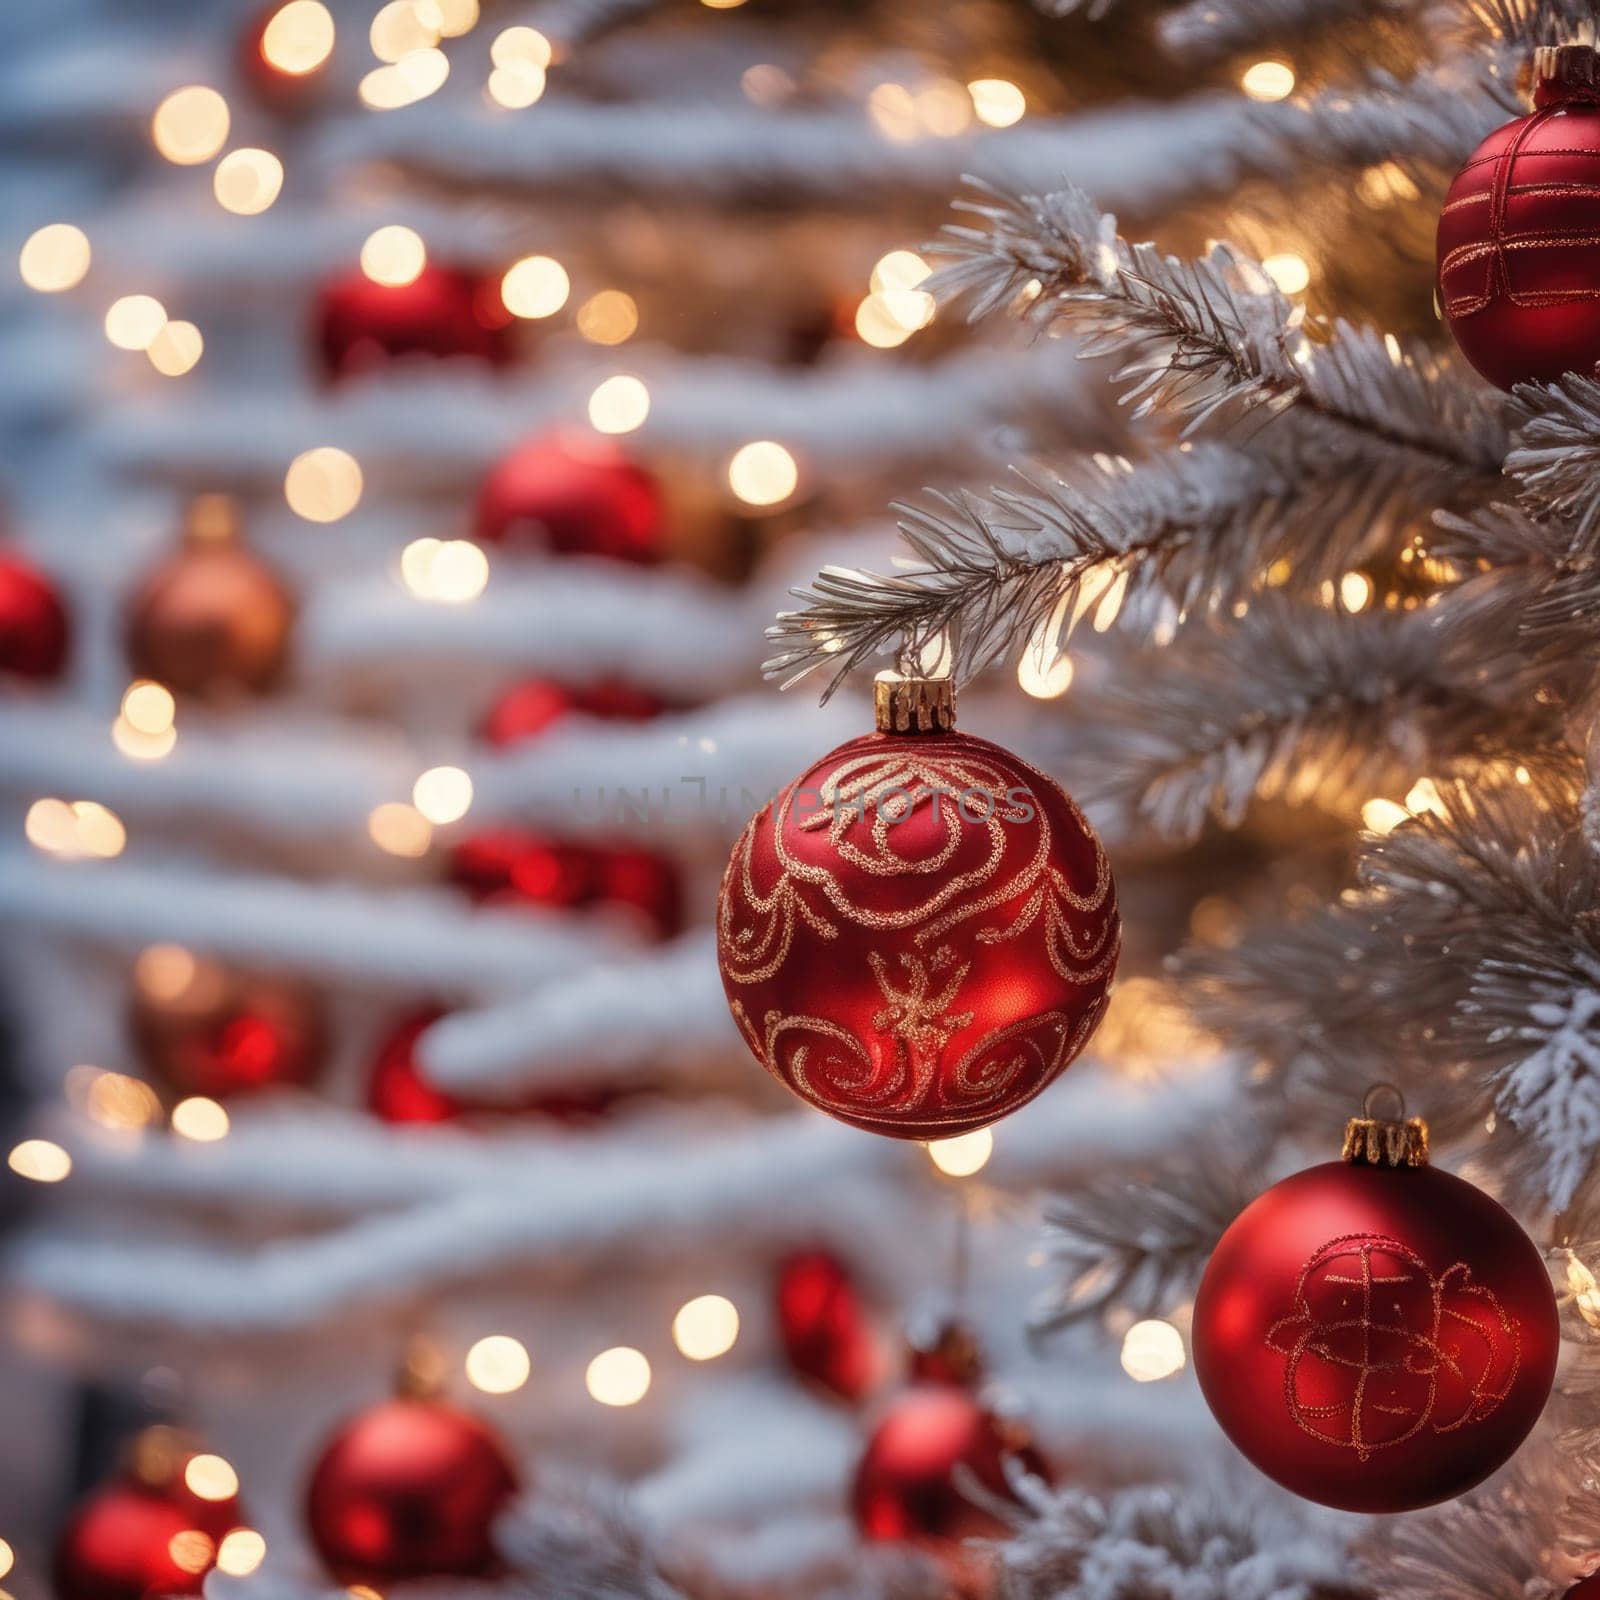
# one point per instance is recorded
(1213, 339)
(1556, 452)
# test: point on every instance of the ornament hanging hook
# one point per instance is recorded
(1376, 1092)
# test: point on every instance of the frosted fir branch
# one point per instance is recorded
(1168, 1543)
(1139, 1246)
(1555, 457)
(1204, 30)
(1293, 702)
(1213, 340)
(1524, 24)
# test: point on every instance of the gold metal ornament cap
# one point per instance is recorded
(913, 705)
(1565, 72)
(1373, 1141)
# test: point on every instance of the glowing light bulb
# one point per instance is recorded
(323, 485)
(412, 78)
(191, 1550)
(877, 326)
(618, 1377)
(54, 258)
(200, 1119)
(443, 795)
(521, 44)
(1046, 674)
(39, 1161)
(763, 473)
(399, 29)
(535, 286)
(449, 571)
(399, 829)
(1268, 80)
(1290, 272)
(247, 181)
(1382, 816)
(133, 321)
(394, 256)
(298, 37)
(176, 349)
(148, 707)
(517, 85)
(242, 1550)
(211, 1478)
(707, 1327)
(997, 101)
(619, 405)
(610, 317)
(1152, 1350)
(963, 1155)
(498, 1364)
(190, 125)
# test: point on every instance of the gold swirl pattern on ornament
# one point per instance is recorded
(973, 1083)
(1348, 1342)
(848, 1072)
(754, 951)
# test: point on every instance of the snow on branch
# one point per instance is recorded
(1227, 1542)
(1555, 457)
(1213, 339)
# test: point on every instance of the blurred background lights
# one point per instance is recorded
(997, 101)
(401, 27)
(443, 795)
(247, 181)
(517, 85)
(54, 258)
(323, 485)
(8, 1558)
(40, 1161)
(242, 1550)
(412, 78)
(721, 5)
(1268, 80)
(618, 1377)
(619, 405)
(191, 1550)
(963, 1155)
(943, 108)
(210, 1477)
(610, 317)
(1152, 1350)
(1046, 674)
(298, 37)
(893, 111)
(1355, 591)
(165, 971)
(133, 321)
(535, 286)
(451, 17)
(877, 326)
(707, 1327)
(176, 349)
(394, 255)
(200, 1119)
(1290, 272)
(400, 830)
(450, 571)
(118, 1102)
(190, 125)
(763, 473)
(497, 1364)
(521, 44)
(1383, 816)
(76, 831)
(148, 707)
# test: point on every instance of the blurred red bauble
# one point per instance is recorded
(1519, 279)
(284, 51)
(33, 622)
(409, 1488)
(532, 707)
(213, 620)
(826, 1336)
(398, 1092)
(572, 496)
(1373, 1334)
(906, 1486)
(443, 312)
(1585, 1588)
(201, 1028)
(947, 1351)
(918, 935)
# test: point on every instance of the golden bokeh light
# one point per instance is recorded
(323, 485)
(191, 125)
(394, 255)
(176, 349)
(498, 1364)
(997, 101)
(123, 1104)
(964, 1155)
(1045, 673)
(77, 831)
(517, 85)
(894, 112)
(247, 181)
(1355, 591)
(721, 5)
(1268, 80)
(443, 795)
(298, 37)
(1152, 1350)
(521, 44)
(535, 286)
(618, 1377)
(412, 78)
(54, 258)
(133, 321)
(449, 571)
(128, 741)
(1290, 272)
(200, 1119)
(39, 1161)
(165, 971)
(8, 1558)
(619, 405)
(149, 707)
(763, 473)
(242, 1551)
(402, 27)
(609, 317)
(707, 1327)
(877, 326)
(1383, 816)
(191, 1550)
(210, 1477)
(451, 17)
(400, 830)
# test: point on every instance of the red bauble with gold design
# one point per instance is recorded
(1375, 1334)
(918, 935)
(826, 1335)
(443, 312)
(409, 1488)
(907, 1486)
(33, 622)
(1519, 279)
(572, 496)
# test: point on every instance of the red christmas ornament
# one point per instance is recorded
(214, 620)
(202, 1028)
(1585, 1588)
(534, 706)
(572, 496)
(1375, 1334)
(918, 934)
(410, 1488)
(443, 312)
(1518, 277)
(906, 1487)
(825, 1333)
(33, 622)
